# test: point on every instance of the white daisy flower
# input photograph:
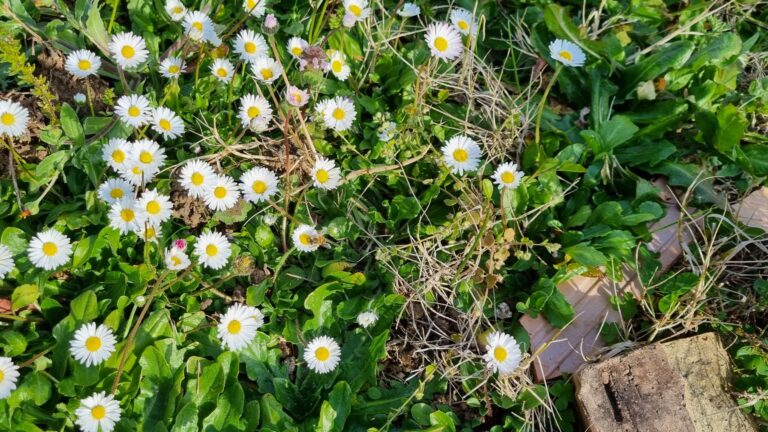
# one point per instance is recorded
(9, 374)
(337, 64)
(503, 353)
(464, 22)
(153, 208)
(176, 259)
(79, 98)
(123, 215)
(6, 265)
(567, 53)
(149, 155)
(238, 326)
(306, 238)
(128, 50)
(49, 250)
(256, 8)
(115, 189)
(325, 174)
(250, 45)
(461, 154)
(13, 118)
(444, 41)
(367, 319)
(149, 233)
(115, 153)
(172, 67)
(254, 107)
(92, 345)
(82, 63)
(258, 184)
(266, 69)
(98, 413)
(409, 10)
(198, 26)
(175, 9)
(167, 123)
(133, 110)
(197, 177)
(322, 354)
(212, 250)
(134, 173)
(507, 176)
(355, 10)
(296, 46)
(339, 113)
(222, 194)
(296, 96)
(222, 69)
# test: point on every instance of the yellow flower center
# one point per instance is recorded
(322, 354)
(116, 193)
(98, 412)
(2, 376)
(8, 119)
(93, 344)
(153, 207)
(178, 10)
(211, 250)
(137, 170)
(463, 25)
(84, 65)
(337, 65)
(173, 69)
(127, 215)
(197, 179)
(460, 155)
(507, 177)
(338, 114)
(259, 187)
(220, 192)
(222, 72)
(146, 157)
(165, 124)
(500, 354)
(266, 73)
(50, 248)
(566, 55)
(176, 260)
(149, 233)
(127, 51)
(322, 176)
(296, 51)
(441, 43)
(253, 111)
(355, 9)
(118, 156)
(198, 26)
(250, 47)
(305, 239)
(134, 111)
(250, 4)
(234, 327)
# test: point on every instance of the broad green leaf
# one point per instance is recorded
(24, 295)
(85, 307)
(15, 239)
(756, 159)
(669, 56)
(720, 47)
(586, 255)
(71, 125)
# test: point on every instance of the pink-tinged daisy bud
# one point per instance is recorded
(270, 25)
(296, 96)
(180, 244)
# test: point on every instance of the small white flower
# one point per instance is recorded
(6, 265)
(306, 238)
(92, 345)
(296, 46)
(79, 98)
(167, 123)
(296, 96)
(49, 250)
(256, 8)
(266, 69)
(339, 113)
(258, 184)
(461, 154)
(409, 10)
(128, 50)
(387, 131)
(172, 67)
(13, 118)
(212, 250)
(175, 9)
(250, 45)
(444, 41)
(222, 194)
(123, 215)
(198, 26)
(82, 63)
(133, 110)
(567, 53)
(325, 174)
(252, 108)
(115, 153)
(337, 64)
(153, 208)
(98, 413)
(115, 189)
(9, 374)
(197, 177)
(367, 319)
(176, 259)
(134, 174)
(238, 326)
(149, 156)
(222, 69)
(503, 353)
(149, 233)
(322, 354)
(355, 10)
(464, 22)
(507, 176)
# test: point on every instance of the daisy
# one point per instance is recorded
(149, 155)
(338, 65)
(325, 174)
(13, 118)
(9, 374)
(266, 69)
(355, 10)
(254, 107)
(115, 153)
(175, 9)
(322, 354)
(567, 53)
(133, 110)
(444, 41)
(172, 67)
(153, 208)
(367, 319)
(507, 176)
(255, 7)
(238, 326)
(92, 345)
(250, 45)
(196, 178)
(79, 98)
(167, 123)
(49, 249)
(296, 46)
(339, 113)
(6, 265)
(258, 184)
(222, 69)
(296, 96)
(306, 238)
(149, 233)
(198, 26)
(98, 413)
(464, 22)
(222, 194)
(461, 154)
(128, 50)
(82, 63)
(123, 215)
(503, 353)
(176, 259)
(212, 250)
(133, 173)
(409, 10)
(114, 189)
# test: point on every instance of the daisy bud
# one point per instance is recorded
(270, 25)
(79, 98)
(180, 244)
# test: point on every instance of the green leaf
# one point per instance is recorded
(617, 131)
(334, 412)
(756, 159)
(85, 307)
(15, 239)
(586, 255)
(71, 125)
(420, 413)
(731, 125)
(24, 295)
(670, 56)
(403, 208)
(720, 47)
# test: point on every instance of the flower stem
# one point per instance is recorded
(540, 109)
